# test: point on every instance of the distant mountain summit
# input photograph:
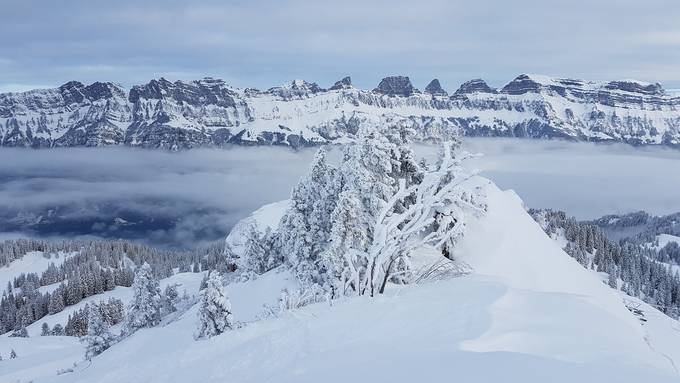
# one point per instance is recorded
(210, 113)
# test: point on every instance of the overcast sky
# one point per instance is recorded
(266, 43)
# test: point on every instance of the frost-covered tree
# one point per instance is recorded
(214, 316)
(351, 228)
(58, 330)
(431, 211)
(98, 337)
(611, 280)
(254, 257)
(145, 308)
(45, 330)
(344, 259)
(19, 333)
(57, 303)
(305, 227)
(170, 298)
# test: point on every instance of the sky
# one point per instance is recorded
(267, 43)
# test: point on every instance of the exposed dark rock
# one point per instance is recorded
(396, 86)
(345, 83)
(636, 87)
(434, 88)
(474, 86)
(521, 85)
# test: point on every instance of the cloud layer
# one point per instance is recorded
(586, 180)
(264, 43)
(167, 199)
(190, 198)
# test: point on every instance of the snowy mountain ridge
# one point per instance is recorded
(210, 113)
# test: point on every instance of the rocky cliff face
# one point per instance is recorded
(210, 113)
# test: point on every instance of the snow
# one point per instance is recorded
(549, 297)
(31, 262)
(268, 216)
(528, 311)
(189, 282)
(38, 357)
(662, 333)
(665, 239)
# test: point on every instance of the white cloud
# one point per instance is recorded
(587, 180)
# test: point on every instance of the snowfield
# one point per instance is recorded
(31, 262)
(665, 239)
(528, 312)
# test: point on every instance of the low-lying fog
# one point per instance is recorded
(584, 179)
(194, 197)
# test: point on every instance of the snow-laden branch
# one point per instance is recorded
(435, 217)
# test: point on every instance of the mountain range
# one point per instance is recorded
(210, 113)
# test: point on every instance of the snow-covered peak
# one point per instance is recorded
(537, 83)
(295, 89)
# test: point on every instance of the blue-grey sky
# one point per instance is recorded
(266, 43)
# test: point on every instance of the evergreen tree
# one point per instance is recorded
(612, 277)
(45, 329)
(56, 303)
(348, 242)
(58, 330)
(98, 337)
(20, 333)
(214, 316)
(144, 310)
(253, 260)
(170, 298)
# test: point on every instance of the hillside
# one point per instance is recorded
(210, 113)
(527, 309)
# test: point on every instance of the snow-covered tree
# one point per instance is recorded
(170, 299)
(98, 337)
(348, 240)
(45, 330)
(58, 330)
(145, 308)
(377, 206)
(214, 316)
(429, 212)
(57, 303)
(254, 257)
(306, 226)
(19, 333)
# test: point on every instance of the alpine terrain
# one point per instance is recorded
(380, 267)
(210, 113)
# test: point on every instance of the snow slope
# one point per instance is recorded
(548, 291)
(266, 217)
(31, 262)
(527, 313)
(665, 239)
